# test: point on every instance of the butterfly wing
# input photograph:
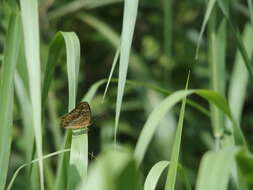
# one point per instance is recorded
(78, 118)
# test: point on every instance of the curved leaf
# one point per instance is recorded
(32, 162)
(154, 175)
(69, 42)
(158, 113)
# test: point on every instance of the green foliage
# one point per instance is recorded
(156, 43)
(11, 53)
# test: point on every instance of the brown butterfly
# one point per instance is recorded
(79, 117)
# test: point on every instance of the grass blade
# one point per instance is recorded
(240, 77)
(76, 5)
(172, 172)
(209, 9)
(11, 53)
(26, 108)
(237, 37)
(101, 27)
(217, 55)
(78, 158)
(72, 45)
(111, 73)
(54, 54)
(93, 90)
(32, 162)
(129, 19)
(30, 20)
(154, 175)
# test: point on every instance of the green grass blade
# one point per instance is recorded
(152, 122)
(54, 54)
(209, 9)
(129, 19)
(159, 112)
(54, 120)
(217, 49)
(154, 175)
(69, 42)
(73, 62)
(221, 103)
(250, 10)
(32, 162)
(237, 37)
(215, 169)
(240, 77)
(101, 27)
(76, 5)
(72, 45)
(114, 39)
(25, 107)
(78, 164)
(111, 73)
(93, 90)
(11, 53)
(30, 21)
(172, 172)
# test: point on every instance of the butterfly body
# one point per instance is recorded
(79, 117)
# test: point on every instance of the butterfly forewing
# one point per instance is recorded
(77, 118)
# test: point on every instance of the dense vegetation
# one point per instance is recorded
(168, 82)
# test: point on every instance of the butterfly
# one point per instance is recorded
(79, 117)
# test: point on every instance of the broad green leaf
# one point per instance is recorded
(11, 52)
(215, 169)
